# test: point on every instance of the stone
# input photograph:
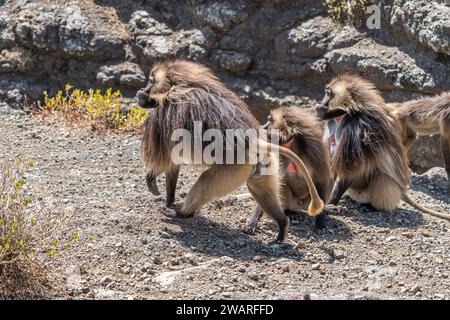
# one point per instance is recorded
(221, 15)
(234, 62)
(127, 74)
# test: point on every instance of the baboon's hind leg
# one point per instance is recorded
(171, 185)
(252, 222)
(150, 178)
(265, 192)
(215, 182)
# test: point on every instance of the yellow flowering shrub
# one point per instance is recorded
(102, 110)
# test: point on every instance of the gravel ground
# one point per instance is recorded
(141, 254)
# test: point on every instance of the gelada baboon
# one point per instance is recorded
(369, 160)
(184, 92)
(300, 131)
(426, 116)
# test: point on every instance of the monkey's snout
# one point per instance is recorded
(141, 97)
(144, 101)
(320, 111)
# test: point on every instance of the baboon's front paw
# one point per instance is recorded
(169, 212)
(175, 211)
(249, 229)
(152, 187)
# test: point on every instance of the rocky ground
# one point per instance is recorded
(139, 253)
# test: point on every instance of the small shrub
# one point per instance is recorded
(16, 235)
(352, 11)
(31, 235)
(102, 110)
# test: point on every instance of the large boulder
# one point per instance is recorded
(390, 68)
(426, 22)
(156, 41)
(65, 30)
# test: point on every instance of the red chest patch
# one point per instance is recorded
(292, 167)
(332, 140)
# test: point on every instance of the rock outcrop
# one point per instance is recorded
(269, 52)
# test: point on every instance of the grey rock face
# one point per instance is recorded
(234, 62)
(6, 34)
(64, 29)
(426, 153)
(156, 41)
(426, 22)
(390, 68)
(17, 60)
(126, 74)
(289, 46)
(221, 15)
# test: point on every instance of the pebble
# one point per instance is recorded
(338, 254)
(165, 235)
(105, 280)
(253, 275)
(390, 239)
(426, 233)
(257, 258)
(315, 266)
(416, 289)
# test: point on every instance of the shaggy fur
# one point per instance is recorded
(305, 131)
(189, 93)
(369, 136)
(183, 92)
(301, 131)
(369, 156)
(426, 116)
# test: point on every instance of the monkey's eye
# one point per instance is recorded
(269, 118)
(329, 93)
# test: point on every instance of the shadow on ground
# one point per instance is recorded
(366, 215)
(214, 239)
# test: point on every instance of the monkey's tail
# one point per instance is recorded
(316, 205)
(411, 202)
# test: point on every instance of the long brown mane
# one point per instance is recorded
(186, 92)
(369, 136)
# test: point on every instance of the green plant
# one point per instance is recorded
(32, 235)
(102, 110)
(348, 10)
(15, 226)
